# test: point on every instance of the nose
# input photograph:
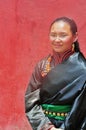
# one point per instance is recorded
(57, 39)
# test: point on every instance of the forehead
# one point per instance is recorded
(60, 26)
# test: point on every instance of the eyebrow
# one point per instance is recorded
(58, 33)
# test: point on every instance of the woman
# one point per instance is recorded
(56, 95)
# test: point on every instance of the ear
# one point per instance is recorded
(75, 37)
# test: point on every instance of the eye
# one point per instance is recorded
(63, 35)
(53, 35)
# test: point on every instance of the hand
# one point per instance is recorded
(53, 128)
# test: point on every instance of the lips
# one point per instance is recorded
(57, 45)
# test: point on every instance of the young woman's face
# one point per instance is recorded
(61, 37)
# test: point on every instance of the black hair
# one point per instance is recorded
(73, 28)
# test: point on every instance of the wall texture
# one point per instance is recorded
(24, 26)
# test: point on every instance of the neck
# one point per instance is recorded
(59, 57)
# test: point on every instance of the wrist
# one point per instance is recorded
(51, 128)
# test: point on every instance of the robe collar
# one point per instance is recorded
(59, 58)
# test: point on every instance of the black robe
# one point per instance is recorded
(64, 85)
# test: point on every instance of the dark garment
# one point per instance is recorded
(33, 109)
(64, 84)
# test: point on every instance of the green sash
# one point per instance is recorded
(56, 111)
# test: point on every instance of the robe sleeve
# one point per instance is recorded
(33, 109)
(76, 120)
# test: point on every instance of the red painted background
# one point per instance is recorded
(24, 26)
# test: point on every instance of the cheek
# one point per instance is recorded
(68, 41)
(51, 41)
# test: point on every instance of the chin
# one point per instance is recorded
(58, 51)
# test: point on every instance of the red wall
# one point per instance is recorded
(24, 26)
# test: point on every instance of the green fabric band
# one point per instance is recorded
(56, 111)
